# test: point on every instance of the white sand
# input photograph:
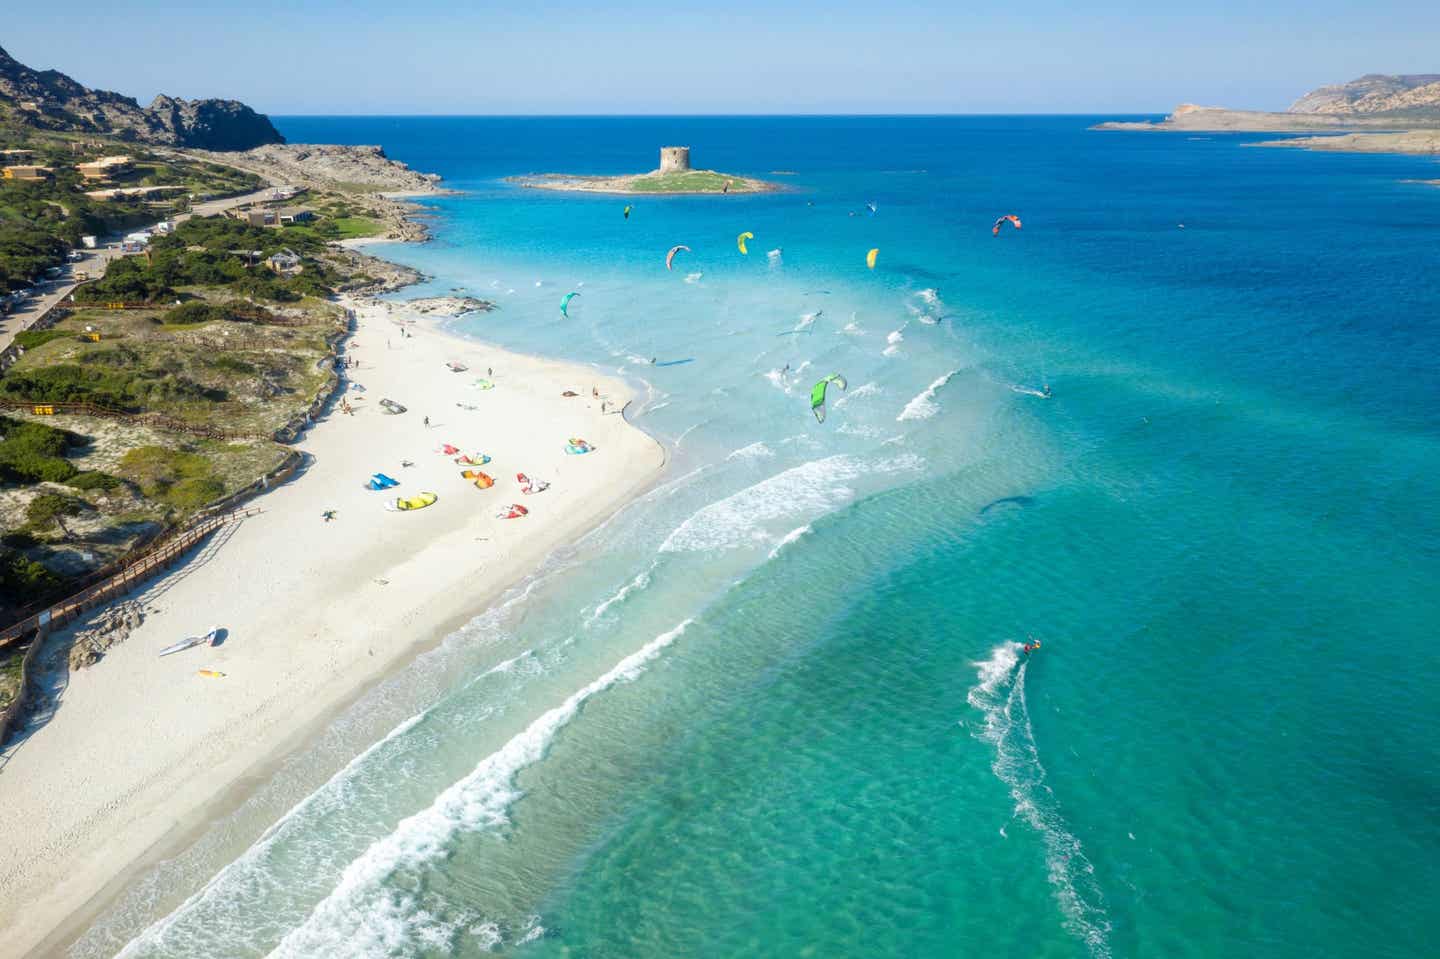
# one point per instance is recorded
(139, 745)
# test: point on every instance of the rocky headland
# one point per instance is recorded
(50, 100)
(1377, 113)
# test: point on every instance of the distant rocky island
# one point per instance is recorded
(1405, 107)
(674, 176)
(49, 100)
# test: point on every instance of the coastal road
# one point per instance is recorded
(93, 264)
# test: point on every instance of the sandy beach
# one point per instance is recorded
(315, 611)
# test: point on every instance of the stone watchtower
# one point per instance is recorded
(674, 159)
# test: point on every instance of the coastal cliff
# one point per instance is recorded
(50, 100)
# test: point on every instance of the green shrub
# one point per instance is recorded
(197, 311)
(48, 509)
(93, 480)
(29, 339)
(233, 364)
(179, 478)
(34, 452)
(235, 311)
(194, 493)
(24, 581)
(121, 389)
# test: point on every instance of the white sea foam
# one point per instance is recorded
(789, 538)
(852, 329)
(1028, 390)
(894, 339)
(693, 277)
(853, 429)
(859, 392)
(359, 916)
(1000, 697)
(228, 889)
(756, 450)
(641, 580)
(811, 488)
(923, 405)
(777, 379)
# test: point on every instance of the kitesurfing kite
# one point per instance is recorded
(870, 257)
(995, 230)
(817, 394)
(670, 257)
(872, 207)
(740, 241)
(565, 304)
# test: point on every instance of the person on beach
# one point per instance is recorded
(489, 371)
(427, 422)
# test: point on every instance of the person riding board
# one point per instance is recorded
(1031, 646)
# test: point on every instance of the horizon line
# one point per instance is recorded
(682, 116)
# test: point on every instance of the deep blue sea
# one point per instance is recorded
(777, 707)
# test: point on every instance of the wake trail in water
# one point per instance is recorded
(365, 916)
(1000, 696)
(923, 406)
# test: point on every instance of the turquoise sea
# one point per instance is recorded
(777, 707)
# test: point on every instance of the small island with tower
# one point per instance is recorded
(674, 176)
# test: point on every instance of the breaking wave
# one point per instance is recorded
(365, 916)
(811, 488)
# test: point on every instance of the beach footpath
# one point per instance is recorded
(320, 595)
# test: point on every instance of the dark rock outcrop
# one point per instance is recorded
(50, 100)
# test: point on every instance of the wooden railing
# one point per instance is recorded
(120, 577)
(156, 420)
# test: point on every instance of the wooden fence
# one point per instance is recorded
(10, 718)
(118, 578)
(158, 421)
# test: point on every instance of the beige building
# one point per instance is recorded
(28, 173)
(105, 167)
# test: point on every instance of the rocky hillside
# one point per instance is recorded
(329, 167)
(50, 100)
(1374, 93)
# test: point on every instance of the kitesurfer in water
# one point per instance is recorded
(1031, 646)
(1047, 391)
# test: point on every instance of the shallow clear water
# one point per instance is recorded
(776, 706)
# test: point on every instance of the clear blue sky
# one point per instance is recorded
(734, 56)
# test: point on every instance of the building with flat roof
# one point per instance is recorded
(105, 167)
(26, 172)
